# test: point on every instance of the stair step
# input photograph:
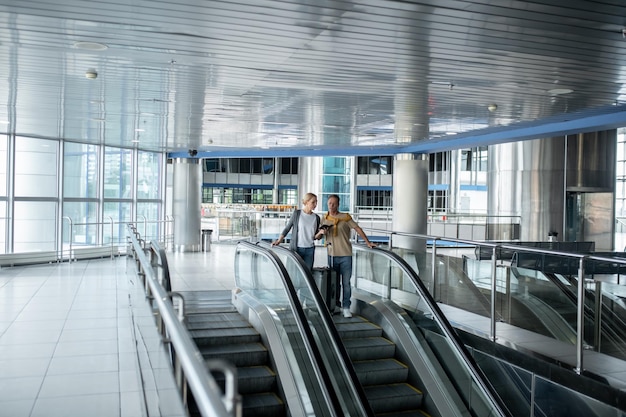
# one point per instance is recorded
(381, 371)
(265, 404)
(244, 354)
(251, 379)
(406, 413)
(224, 336)
(393, 397)
(215, 320)
(363, 348)
(355, 327)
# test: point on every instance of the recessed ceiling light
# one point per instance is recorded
(4, 122)
(90, 46)
(559, 91)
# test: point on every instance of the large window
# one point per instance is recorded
(437, 201)
(288, 165)
(103, 189)
(381, 165)
(251, 165)
(438, 162)
(80, 170)
(474, 159)
(36, 168)
(374, 198)
(3, 165)
(247, 196)
(83, 217)
(35, 225)
(117, 173)
(336, 179)
(148, 175)
(620, 184)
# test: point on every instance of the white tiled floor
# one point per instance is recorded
(66, 336)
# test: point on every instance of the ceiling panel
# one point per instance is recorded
(308, 77)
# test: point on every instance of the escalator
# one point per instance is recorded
(392, 364)
(522, 375)
(605, 316)
(382, 374)
(221, 332)
(261, 330)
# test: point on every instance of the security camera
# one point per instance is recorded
(193, 152)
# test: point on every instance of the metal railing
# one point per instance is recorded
(92, 242)
(581, 259)
(190, 369)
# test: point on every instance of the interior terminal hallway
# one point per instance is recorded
(66, 336)
(68, 331)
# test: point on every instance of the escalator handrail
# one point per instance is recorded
(160, 253)
(477, 375)
(329, 327)
(300, 319)
(204, 388)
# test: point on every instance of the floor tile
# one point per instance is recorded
(100, 405)
(16, 408)
(71, 385)
(23, 388)
(17, 368)
(83, 364)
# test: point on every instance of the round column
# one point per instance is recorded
(187, 190)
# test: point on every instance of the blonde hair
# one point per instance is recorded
(308, 197)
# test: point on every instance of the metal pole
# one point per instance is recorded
(433, 262)
(580, 328)
(493, 294)
(597, 333)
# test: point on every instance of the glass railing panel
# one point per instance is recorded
(328, 341)
(260, 276)
(378, 273)
(536, 291)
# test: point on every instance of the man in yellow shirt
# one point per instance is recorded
(339, 246)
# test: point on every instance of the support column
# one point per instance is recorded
(410, 200)
(187, 189)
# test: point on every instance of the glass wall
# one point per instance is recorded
(68, 193)
(35, 195)
(4, 158)
(337, 179)
(80, 194)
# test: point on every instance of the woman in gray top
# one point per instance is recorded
(305, 225)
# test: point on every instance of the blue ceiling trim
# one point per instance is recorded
(595, 119)
(606, 118)
(438, 187)
(468, 187)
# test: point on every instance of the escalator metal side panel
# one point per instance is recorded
(260, 317)
(425, 371)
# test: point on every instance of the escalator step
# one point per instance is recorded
(215, 321)
(357, 328)
(393, 397)
(381, 371)
(262, 405)
(407, 413)
(363, 348)
(246, 354)
(224, 336)
(251, 379)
